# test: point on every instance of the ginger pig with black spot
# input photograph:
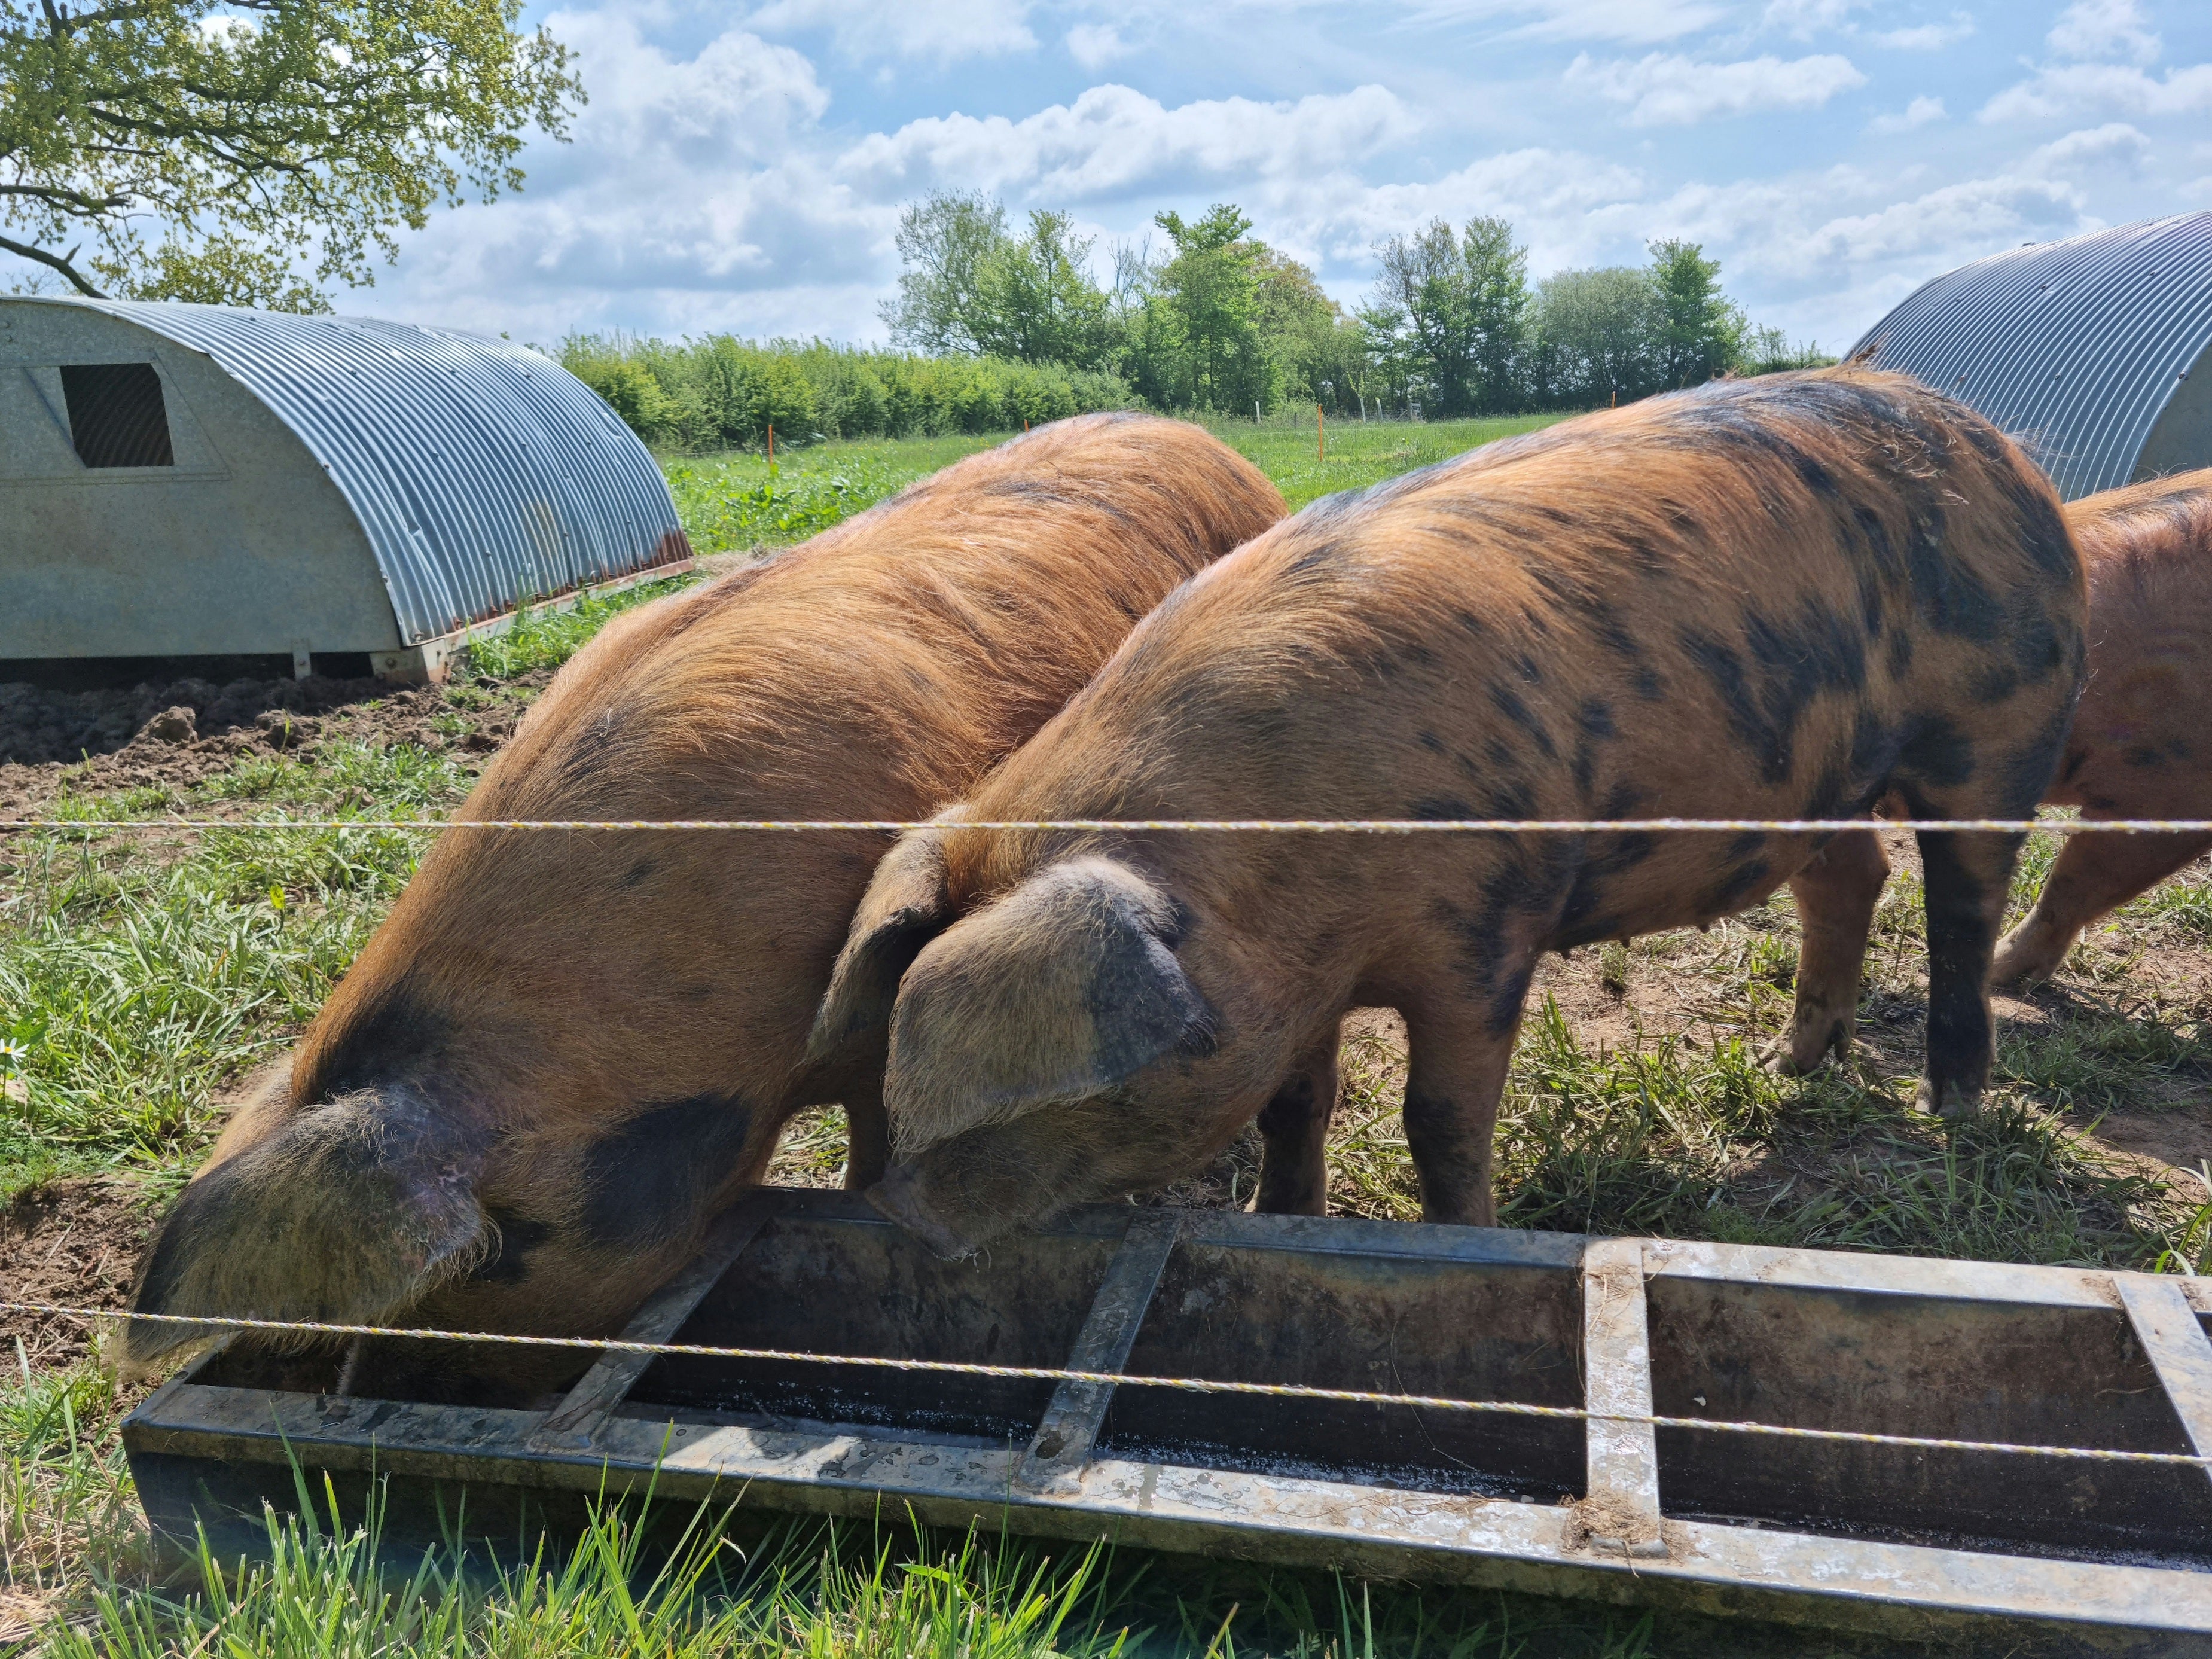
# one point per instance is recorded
(1796, 597)
(2141, 744)
(565, 1051)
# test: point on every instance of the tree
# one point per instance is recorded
(1037, 302)
(1319, 356)
(1602, 327)
(1210, 291)
(1499, 300)
(1464, 302)
(970, 288)
(1424, 282)
(270, 148)
(945, 241)
(1700, 333)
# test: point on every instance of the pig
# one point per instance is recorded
(2147, 550)
(1798, 596)
(564, 1052)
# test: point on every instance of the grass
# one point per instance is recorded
(1358, 454)
(142, 975)
(737, 501)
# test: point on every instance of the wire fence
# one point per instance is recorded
(1238, 826)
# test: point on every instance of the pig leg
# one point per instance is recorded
(2094, 876)
(1967, 877)
(1836, 894)
(868, 1136)
(1456, 1074)
(1294, 1125)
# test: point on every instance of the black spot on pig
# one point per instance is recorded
(1507, 702)
(400, 1035)
(647, 1180)
(513, 1237)
(1937, 754)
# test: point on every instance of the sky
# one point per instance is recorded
(742, 169)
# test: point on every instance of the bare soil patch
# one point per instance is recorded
(75, 1243)
(183, 732)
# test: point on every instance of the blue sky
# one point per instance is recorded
(743, 168)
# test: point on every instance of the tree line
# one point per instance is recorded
(1004, 325)
(720, 391)
(1216, 320)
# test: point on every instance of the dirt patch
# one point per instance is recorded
(181, 733)
(75, 1243)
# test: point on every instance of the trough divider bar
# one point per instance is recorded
(2165, 1324)
(1620, 1506)
(1069, 1428)
(575, 1422)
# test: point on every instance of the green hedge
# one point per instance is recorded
(721, 392)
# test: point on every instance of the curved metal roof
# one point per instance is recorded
(484, 473)
(2074, 347)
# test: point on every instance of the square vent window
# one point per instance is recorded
(116, 415)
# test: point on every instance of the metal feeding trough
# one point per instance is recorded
(2067, 1553)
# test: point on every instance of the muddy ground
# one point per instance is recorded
(181, 733)
(75, 1243)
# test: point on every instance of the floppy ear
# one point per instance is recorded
(1064, 988)
(906, 905)
(348, 1214)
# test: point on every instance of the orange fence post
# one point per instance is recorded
(771, 443)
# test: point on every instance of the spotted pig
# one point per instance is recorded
(2140, 745)
(565, 1051)
(1794, 597)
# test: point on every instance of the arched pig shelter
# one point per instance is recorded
(187, 481)
(2093, 350)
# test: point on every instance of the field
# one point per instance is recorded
(144, 976)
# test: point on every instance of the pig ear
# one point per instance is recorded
(348, 1214)
(1064, 988)
(906, 904)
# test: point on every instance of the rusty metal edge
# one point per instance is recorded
(1897, 1588)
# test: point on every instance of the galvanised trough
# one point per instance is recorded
(2028, 1554)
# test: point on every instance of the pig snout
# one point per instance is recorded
(900, 1196)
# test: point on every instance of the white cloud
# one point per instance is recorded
(1631, 22)
(1666, 88)
(942, 31)
(2103, 29)
(1094, 45)
(696, 186)
(1805, 18)
(1926, 37)
(2131, 91)
(1113, 139)
(1917, 113)
(2115, 144)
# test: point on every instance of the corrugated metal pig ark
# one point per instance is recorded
(2033, 1553)
(182, 481)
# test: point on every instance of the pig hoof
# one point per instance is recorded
(2017, 965)
(898, 1198)
(1954, 1104)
